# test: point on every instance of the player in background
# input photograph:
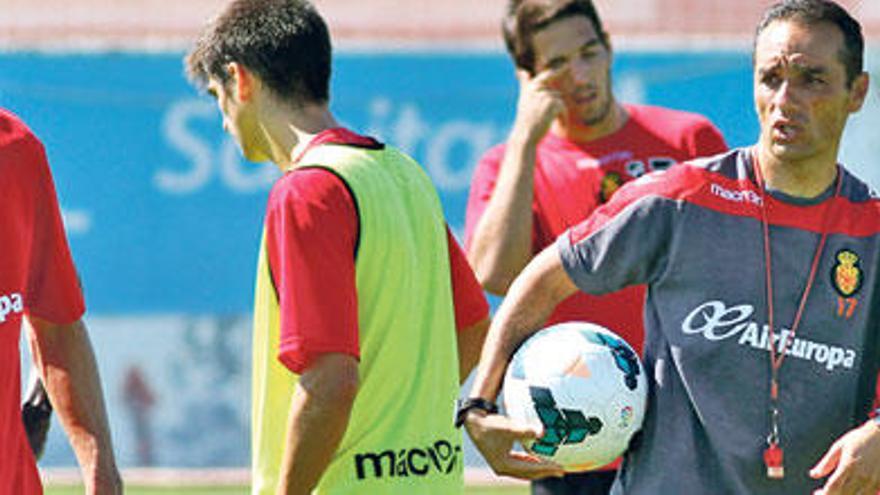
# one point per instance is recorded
(762, 265)
(39, 285)
(367, 315)
(571, 146)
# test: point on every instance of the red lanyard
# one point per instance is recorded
(773, 457)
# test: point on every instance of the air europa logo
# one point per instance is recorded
(10, 303)
(441, 457)
(716, 322)
(746, 196)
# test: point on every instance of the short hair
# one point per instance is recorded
(814, 12)
(284, 42)
(525, 17)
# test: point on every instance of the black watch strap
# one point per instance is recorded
(467, 405)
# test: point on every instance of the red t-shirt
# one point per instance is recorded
(311, 235)
(573, 179)
(37, 277)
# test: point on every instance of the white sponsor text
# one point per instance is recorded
(736, 196)
(10, 303)
(716, 322)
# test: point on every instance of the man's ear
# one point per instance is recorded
(859, 91)
(243, 82)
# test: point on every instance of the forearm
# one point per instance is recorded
(317, 421)
(501, 244)
(532, 297)
(470, 340)
(63, 354)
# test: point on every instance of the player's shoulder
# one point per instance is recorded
(729, 165)
(858, 191)
(488, 165)
(21, 153)
(668, 116)
(14, 132)
(677, 126)
(493, 155)
(304, 185)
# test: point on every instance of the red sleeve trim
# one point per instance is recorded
(675, 183)
(469, 300)
(299, 360)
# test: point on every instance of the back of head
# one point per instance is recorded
(525, 17)
(284, 42)
(813, 12)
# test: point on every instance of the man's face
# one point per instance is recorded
(574, 45)
(801, 94)
(239, 120)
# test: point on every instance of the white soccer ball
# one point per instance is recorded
(586, 387)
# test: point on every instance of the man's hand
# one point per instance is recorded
(539, 104)
(538, 289)
(494, 435)
(501, 242)
(853, 462)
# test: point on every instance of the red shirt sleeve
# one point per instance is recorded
(311, 237)
(482, 186)
(470, 303)
(53, 289)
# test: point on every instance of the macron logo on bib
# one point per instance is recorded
(10, 303)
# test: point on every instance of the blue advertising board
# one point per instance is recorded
(165, 214)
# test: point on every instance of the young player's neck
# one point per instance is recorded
(291, 129)
(579, 132)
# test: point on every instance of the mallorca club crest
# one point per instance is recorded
(611, 182)
(847, 275)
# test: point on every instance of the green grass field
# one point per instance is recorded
(134, 490)
(206, 490)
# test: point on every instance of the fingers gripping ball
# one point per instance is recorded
(585, 386)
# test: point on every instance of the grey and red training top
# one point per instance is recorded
(693, 234)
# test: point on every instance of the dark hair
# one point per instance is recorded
(284, 42)
(525, 17)
(813, 12)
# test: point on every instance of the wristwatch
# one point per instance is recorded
(467, 405)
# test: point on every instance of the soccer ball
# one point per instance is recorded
(585, 386)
